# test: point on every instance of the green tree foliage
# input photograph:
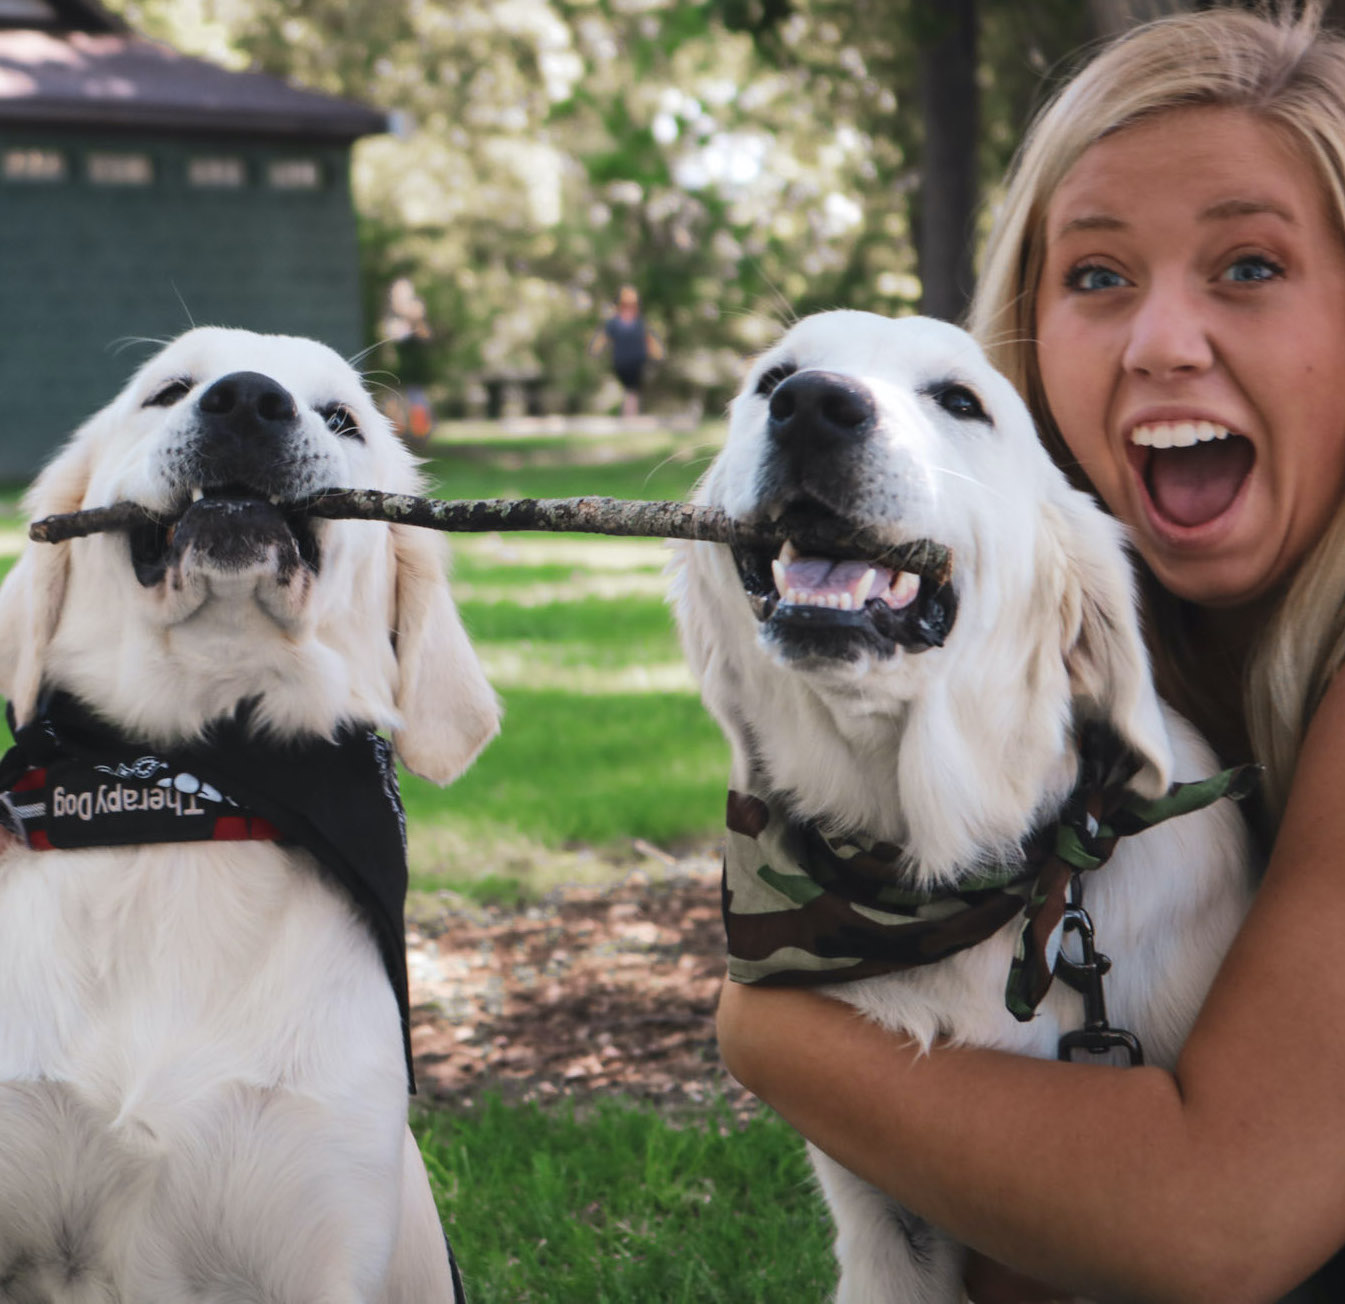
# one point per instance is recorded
(739, 161)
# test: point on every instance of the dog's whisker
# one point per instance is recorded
(124, 342)
(356, 358)
(186, 312)
(681, 455)
(787, 315)
(968, 479)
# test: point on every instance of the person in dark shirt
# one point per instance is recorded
(633, 345)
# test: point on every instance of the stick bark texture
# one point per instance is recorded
(615, 516)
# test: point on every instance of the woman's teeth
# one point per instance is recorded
(1177, 434)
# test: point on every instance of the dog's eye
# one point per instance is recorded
(341, 420)
(770, 379)
(960, 402)
(169, 393)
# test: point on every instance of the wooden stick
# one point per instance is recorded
(615, 516)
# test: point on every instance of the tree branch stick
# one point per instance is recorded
(614, 516)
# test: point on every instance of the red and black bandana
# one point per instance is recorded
(71, 781)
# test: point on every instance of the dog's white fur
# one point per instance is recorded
(956, 751)
(202, 1082)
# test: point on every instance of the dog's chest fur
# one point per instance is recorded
(232, 937)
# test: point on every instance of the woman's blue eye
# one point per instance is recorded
(1254, 267)
(1094, 277)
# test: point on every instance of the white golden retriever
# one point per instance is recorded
(937, 725)
(203, 1091)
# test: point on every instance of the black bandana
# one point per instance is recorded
(72, 781)
(802, 907)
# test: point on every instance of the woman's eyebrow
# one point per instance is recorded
(1227, 208)
(1092, 222)
(1222, 210)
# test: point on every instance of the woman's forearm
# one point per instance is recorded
(1094, 1179)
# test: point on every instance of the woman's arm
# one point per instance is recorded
(1223, 1181)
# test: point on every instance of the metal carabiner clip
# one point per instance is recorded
(1097, 1037)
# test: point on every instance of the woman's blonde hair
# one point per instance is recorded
(1291, 74)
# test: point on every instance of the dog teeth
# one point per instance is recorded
(789, 552)
(904, 589)
(864, 589)
(779, 574)
(197, 493)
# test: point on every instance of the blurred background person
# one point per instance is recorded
(406, 326)
(633, 346)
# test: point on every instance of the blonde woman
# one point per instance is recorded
(1166, 285)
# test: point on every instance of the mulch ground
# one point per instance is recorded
(593, 990)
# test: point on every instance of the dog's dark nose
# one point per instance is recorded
(816, 405)
(249, 402)
(247, 425)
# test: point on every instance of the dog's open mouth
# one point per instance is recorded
(233, 526)
(840, 607)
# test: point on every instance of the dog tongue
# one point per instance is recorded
(1193, 485)
(821, 577)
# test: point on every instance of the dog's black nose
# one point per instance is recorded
(820, 404)
(249, 402)
(245, 435)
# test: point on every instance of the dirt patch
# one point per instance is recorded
(593, 990)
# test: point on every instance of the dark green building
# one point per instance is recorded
(142, 192)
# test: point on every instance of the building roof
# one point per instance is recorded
(85, 68)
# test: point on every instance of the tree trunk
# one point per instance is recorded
(949, 103)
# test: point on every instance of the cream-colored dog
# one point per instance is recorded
(929, 729)
(203, 1091)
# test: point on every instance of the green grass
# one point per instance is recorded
(604, 738)
(587, 631)
(638, 466)
(620, 1205)
(572, 768)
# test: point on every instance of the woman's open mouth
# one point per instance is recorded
(1192, 472)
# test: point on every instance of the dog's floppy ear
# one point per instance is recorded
(33, 593)
(449, 712)
(1104, 651)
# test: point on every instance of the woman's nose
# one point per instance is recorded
(1168, 335)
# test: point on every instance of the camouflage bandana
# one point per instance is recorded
(803, 908)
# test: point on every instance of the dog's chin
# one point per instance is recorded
(228, 529)
(808, 636)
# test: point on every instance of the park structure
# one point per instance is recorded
(143, 191)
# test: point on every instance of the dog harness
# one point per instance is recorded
(803, 907)
(71, 781)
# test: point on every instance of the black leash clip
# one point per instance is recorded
(1097, 1036)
